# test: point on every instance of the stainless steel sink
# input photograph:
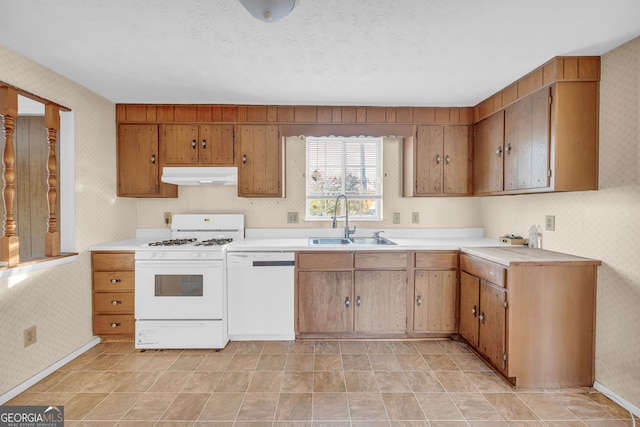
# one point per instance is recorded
(329, 241)
(371, 241)
(352, 240)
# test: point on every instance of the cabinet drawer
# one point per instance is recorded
(485, 270)
(113, 302)
(324, 261)
(113, 281)
(105, 261)
(381, 260)
(436, 260)
(114, 324)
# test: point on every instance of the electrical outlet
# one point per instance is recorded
(415, 217)
(550, 222)
(292, 217)
(30, 336)
(396, 217)
(167, 218)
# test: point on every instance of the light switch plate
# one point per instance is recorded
(396, 217)
(292, 217)
(415, 217)
(550, 222)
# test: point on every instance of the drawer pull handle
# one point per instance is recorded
(194, 144)
(204, 144)
(116, 280)
(115, 325)
(419, 300)
(116, 302)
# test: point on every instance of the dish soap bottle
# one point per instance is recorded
(533, 236)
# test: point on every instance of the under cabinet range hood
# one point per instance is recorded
(200, 175)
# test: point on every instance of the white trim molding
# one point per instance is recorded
(619, 400)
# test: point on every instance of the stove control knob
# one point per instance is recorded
(151, 255)
(160, 255)
(196, 255)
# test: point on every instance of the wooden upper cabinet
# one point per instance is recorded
(526, 142)
(440, 157)
(139, 163)
(261, 161)
(190, 144)
(488, 150)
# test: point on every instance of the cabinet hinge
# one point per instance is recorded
(505, 304)
(504, 356)
(550, 99)
(549, 173)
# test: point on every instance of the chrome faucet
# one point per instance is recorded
(347, 231)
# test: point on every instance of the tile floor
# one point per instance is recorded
(307, 383)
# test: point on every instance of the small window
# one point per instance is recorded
(351, 166)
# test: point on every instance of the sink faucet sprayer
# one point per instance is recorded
(347, 231)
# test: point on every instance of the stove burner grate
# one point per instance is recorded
(173, 242)
(213, 242)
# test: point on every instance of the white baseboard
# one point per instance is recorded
(46, 372)
(619, 400)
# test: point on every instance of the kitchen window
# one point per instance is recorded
(344, 165)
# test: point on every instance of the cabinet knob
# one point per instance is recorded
(508, 150)
(481, 317)
(437, 159)
(358, 301)
(116, 302)
(244, 159)
(447, 159)
(474, 311)
(194, 144)
(347, 302)
(115, 280)
(204, 143)
(419, 300)
(499, 151)
(115, 325)
(153, 159)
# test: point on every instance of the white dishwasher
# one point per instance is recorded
(260, 295)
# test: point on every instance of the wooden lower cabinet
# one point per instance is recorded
(381, 301)
(113, 294)
(351, 293)
(324, 301)
(534, 322)
(435, 292)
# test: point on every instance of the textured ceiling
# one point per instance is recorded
(327, 52)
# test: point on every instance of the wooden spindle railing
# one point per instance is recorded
(9, 242)
(52, 236)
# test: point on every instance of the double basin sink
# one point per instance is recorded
(350, 241)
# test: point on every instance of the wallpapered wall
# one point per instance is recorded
(58, 300)
(600, 224)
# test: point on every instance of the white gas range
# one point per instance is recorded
(180, 292)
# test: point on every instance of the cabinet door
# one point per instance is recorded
(261, 162)
(138, 163)
(469, 307)
(180, 144)
(492, 336)
(488, 147)
(380, 301)
(457, 160)
(434, 301)
(322, 301)
(216, 144)
(526, 128)
(429, 160)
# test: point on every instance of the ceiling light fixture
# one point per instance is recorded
(269, 10)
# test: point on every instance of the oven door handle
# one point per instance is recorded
(173, 263)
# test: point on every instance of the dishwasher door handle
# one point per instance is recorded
(274, 263)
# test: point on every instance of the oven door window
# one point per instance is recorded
(179, 285)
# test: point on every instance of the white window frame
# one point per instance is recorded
(329, 197)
